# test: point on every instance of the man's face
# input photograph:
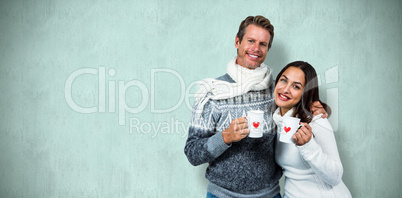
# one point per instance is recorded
(252, 50)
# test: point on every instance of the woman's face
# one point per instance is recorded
(289, 89)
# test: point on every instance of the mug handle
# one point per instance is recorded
(300, 125)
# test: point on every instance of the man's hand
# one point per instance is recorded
(236, 131)
(303, 135)
(316, 108)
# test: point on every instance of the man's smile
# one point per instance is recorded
(253, 56)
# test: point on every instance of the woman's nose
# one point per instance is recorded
(286, 88)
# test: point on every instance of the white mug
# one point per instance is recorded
(255, 121)
(288, 129)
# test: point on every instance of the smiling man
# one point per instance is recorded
(239, 166)
(252, 47)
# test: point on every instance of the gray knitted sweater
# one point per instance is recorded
(243, 169)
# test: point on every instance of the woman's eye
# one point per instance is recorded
(283, 80)
(296, 87)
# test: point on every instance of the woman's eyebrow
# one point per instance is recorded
(293, 82)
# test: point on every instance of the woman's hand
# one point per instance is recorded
(303, 134)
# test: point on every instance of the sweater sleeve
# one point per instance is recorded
(204, 143)
(322, 154)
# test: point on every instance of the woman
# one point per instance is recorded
(311, 165)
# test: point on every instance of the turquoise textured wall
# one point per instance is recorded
(95, 94)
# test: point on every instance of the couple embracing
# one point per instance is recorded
(243, 166)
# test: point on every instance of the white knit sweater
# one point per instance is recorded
(314, 169)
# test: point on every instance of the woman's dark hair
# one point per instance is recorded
(310, 92)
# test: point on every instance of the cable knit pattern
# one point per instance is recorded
(243, 169)
(313, 169)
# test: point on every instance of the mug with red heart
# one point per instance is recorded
(255, 120)
(289, 128)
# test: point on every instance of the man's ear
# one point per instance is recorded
(237, 42)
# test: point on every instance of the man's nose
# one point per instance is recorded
(256, 46)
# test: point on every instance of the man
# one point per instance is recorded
(239, 166)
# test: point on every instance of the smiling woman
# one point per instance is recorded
(311, 163)
(289, 89)
(297, 86)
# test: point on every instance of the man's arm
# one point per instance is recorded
(204, 143)
(316, 108)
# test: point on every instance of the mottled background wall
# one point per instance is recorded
(93, 93)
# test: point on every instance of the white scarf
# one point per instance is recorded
(278, 119)
(245, 80)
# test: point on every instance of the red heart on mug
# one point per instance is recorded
(287, 129)
(256, 124)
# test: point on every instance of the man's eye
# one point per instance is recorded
(251, 41)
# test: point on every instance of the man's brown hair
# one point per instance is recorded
(259, 21)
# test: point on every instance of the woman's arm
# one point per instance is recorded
(322, 154)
